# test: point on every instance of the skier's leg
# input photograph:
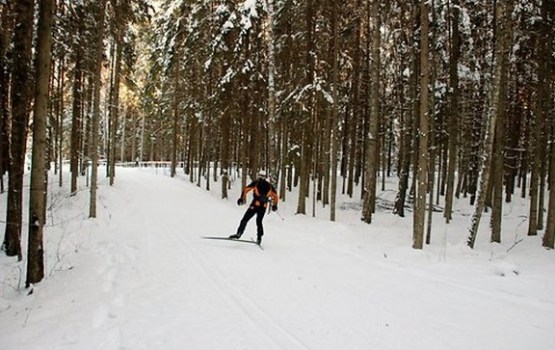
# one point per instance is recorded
(243, 224)
(259, 227)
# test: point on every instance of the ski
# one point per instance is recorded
(251, 241)
(258, 244)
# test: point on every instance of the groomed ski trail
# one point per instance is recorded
(171, 241)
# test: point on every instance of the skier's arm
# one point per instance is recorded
(273, 197)
(246, 190)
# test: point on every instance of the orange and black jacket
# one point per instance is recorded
(263, 192)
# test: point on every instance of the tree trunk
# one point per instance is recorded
(285, 166)
(352, 117)
(420, 198)
(373, 132)
(497, 166)
(504, 10)
(548, 16)
(60, 119)
(540, 128)
(175, 122)
(499, 139)
(272, 121)
(409, 123)
(101, 8)
(37, 198)
(177, 96)
(77, 107)
(335, 106)
(308, 116)
(226, 126)
(21, 99)
(6, 31)
(549, 234)
(114, 115)
(535, 168)
(453, 110)
(433, 129)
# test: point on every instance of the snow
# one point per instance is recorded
(249, 6)
(140, 277)
(248, 11)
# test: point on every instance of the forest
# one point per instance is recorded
(453, 98)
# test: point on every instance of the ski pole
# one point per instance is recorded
(279, 215)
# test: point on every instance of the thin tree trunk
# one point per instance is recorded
(335, 106)
(122, 156)
(420, 198)
(60, 120)
(308, 116)
(404, 166)
(225, 136)
(353, 116)
(432, 136)
(285, 167)
(272, 121)
(37, 198)
(245, 138)
(409, 123)
(542, 180)
(114, 115)
(373, 134)
(177, 96)
(453, 110)
(535, 169)
(77, 108)
(175, 122)
(96, 105)
(539, 132)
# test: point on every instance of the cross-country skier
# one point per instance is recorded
(263, 193)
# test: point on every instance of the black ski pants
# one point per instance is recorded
(259, 211)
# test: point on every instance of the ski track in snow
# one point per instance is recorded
(258, 319)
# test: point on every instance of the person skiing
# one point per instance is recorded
(263, 193)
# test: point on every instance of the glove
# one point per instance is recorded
(274, 207)
(240, 201)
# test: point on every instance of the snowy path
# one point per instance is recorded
(207, 304)
(144, 279)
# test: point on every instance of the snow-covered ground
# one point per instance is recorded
(140, 277)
